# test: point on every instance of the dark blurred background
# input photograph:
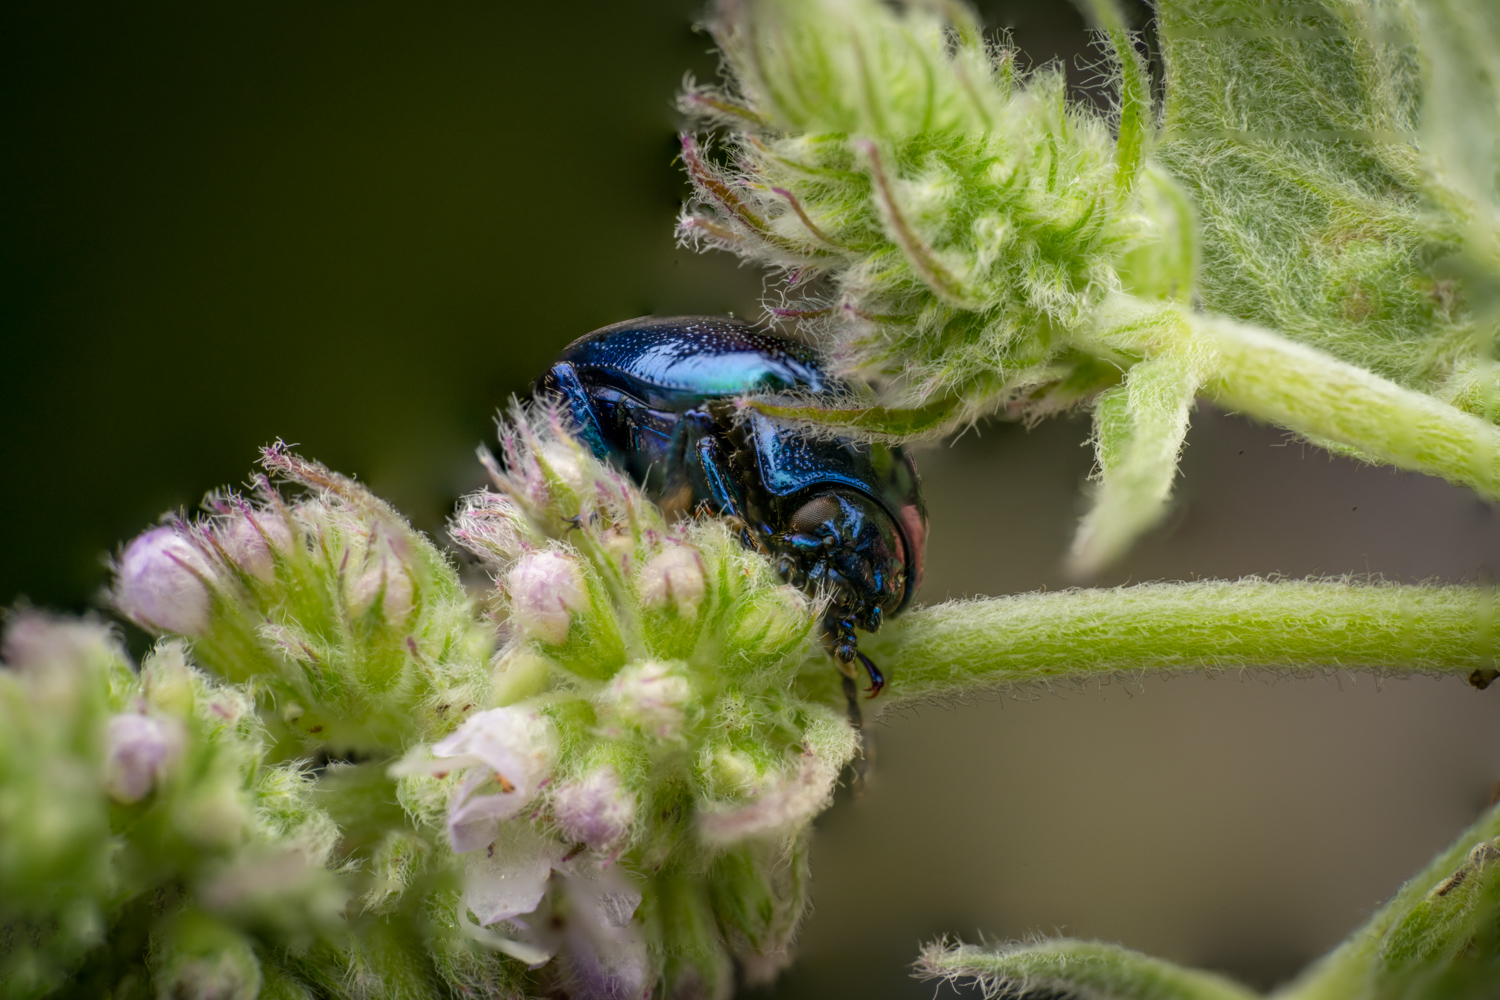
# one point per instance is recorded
(361, 226)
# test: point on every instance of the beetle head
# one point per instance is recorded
(844, 543)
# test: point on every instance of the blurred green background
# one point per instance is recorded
(361, 226)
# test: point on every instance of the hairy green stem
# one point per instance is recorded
(1273, 378)
(1071, 967)
(1347, 970)
(1294, 624)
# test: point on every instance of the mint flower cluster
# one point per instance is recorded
(147, 830)
(940, 217)
(649, 761)
(594, 776)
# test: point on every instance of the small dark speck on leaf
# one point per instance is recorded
(1483, 677)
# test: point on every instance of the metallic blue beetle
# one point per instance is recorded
(655, 396)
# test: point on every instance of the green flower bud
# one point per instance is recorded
(652, 697)
(519, 673)
(759, 894)
(196, 957)
(695, 962)
(168, 682)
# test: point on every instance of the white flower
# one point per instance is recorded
(161, 583)
(545, 588)
(138, 750)
(674, 576)
(603, 953)
(509, 877)
(510, 752)
(589, 929)
(650, 696)
(595, 809)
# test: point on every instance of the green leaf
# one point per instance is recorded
(1293, 126)
(1438, 937)
(1138, 433)
(875, 421)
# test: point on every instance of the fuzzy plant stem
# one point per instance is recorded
(962, 646)
(1432, 920)
(1273, 378)
(1075, 966)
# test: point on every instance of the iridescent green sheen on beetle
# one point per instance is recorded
(843, 519)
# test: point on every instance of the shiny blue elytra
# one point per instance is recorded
(655, 397)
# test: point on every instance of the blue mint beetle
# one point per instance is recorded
(655, 396)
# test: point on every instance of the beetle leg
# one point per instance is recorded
(877, 679)
(861, 763)
(716, 479)
(562, 381)
(851, 698)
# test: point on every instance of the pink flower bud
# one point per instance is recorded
(511, 751)
(673, 577)
(595, 809)
(384, 578)
(493, 527)
(650, 696)
(161, 583)
(138, 751)
(39, 643)
(249, 539)
(545, 588)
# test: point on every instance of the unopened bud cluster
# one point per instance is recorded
(593, 776)
(351, 622)
(962, 217)
(146, 799)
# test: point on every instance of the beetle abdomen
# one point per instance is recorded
(677, 362)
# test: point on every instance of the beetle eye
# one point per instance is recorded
(813, 514)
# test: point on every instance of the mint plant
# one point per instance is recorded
(343, 771)
(1299, 234)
